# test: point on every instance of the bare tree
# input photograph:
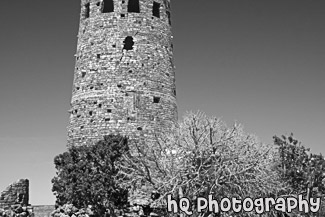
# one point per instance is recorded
(205, 157)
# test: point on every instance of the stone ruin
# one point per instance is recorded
(16, 193)
(14, 200)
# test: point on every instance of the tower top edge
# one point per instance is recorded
(96, 1)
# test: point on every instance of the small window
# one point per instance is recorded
(139, 128)
(134, 6)
(109, 110)
(156, 9)
(130, 119)
(108, 6)
(169, 18)
(128, 43)
(87, 10)
(156, 99)
(21, 197)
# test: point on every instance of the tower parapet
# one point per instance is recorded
(124, 79)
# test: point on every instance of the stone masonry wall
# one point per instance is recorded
(43, 210)
(124, 80)
(18, 192)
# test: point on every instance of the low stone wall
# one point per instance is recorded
(130, 211)
(43, 210)
(16, 193)
(17, 210)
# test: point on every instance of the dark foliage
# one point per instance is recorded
(87, 175)
(304, 171)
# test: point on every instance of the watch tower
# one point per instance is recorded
(124, 78)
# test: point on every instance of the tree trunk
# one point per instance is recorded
(181, 195)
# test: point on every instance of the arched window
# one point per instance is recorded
(128, 43)
(134, 6)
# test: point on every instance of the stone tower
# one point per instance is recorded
(124, 79)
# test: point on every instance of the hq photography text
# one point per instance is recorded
(259, 205)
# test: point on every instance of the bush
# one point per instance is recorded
(68, 210)
(88, 175)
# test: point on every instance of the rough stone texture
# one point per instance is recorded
(124, 80)
(16, 193)
(17, 210)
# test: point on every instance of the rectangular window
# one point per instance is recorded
(87, 10)
(156, 9)
(156, 99)
(169, 18)
(108, 6)
(134, 6)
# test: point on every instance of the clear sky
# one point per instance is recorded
(261, 63)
